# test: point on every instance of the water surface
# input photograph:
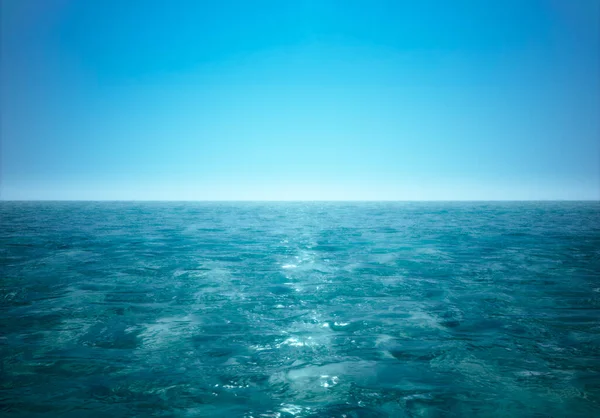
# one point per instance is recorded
(299, 309)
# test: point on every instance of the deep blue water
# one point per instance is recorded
(300, 309)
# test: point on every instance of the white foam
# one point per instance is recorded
(289, 266)
(295, 342)
(292, 409)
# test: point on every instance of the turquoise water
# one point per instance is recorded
(300, 309)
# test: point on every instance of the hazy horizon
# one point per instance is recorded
(304, 201)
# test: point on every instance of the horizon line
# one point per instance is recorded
(299, 200)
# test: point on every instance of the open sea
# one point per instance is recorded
(177, 309)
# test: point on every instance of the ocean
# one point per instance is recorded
(323, 309)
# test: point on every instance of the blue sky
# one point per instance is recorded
(300, 100)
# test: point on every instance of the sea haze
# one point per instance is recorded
(300, 309)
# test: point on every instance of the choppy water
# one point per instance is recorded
(296, 309)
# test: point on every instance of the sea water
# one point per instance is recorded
(300, 309)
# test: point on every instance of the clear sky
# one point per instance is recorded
(280, 100)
